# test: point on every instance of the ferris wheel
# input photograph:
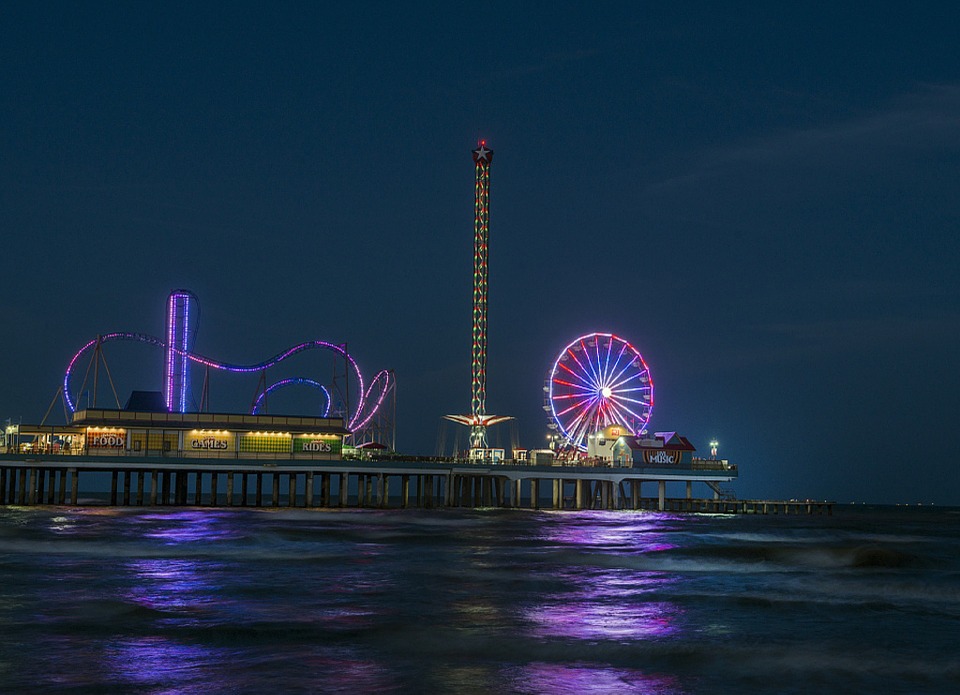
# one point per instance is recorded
(597, 380)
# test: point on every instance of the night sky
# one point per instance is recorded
(762, 198)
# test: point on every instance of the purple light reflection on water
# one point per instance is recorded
(159, 661)
(610, 591)
(620, 532)
(576, 679)
(602, 620)
(179, 667)
(200, 526)
(181, 588)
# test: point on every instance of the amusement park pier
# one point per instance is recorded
(216, 460)
(169, 447)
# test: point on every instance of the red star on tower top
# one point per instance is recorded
(482, 154)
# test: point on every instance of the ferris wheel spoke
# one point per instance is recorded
(630, 377)
(583, 411)
(582, 376)
(616, 363)
(623, 381)
(586, 375)
(584, 387)
(638, 401)
(632, 402)
(575, 392)
(578, 426)
(631, 390)
(590, 363)
(619, 355)
(639, 416)
(618, 412)
(579, 376)
(580, 404)
(598, 364)
(568, 396)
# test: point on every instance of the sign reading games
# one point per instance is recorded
(208, 441)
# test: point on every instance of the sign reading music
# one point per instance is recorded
(661, 456)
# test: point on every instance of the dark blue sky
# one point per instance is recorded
(764, 200)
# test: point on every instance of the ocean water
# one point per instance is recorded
(183, 600)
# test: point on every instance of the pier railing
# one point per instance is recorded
(187, 455)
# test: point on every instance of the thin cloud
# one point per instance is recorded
(549, 62)
(924, 122)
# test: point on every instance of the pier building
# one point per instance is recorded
(100, 433)
(210, 459)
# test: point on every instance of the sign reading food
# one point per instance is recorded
(112, 439)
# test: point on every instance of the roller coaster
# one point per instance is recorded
(179, 355)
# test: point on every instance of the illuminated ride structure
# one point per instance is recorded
(598, 380)
(361, 407)
(478, 420)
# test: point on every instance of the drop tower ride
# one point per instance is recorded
(479, 420)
